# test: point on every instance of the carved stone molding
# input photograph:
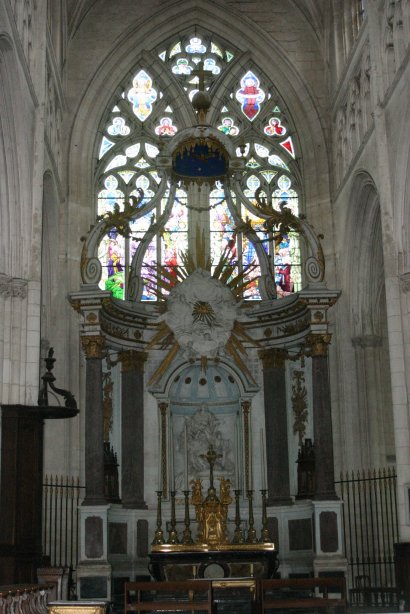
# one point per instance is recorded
(318, 344)
(274, 358)
(367, 341)
(12, 287)
(405, 282)
(132, 360)
(93, 346)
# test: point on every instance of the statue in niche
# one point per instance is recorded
(202, 430)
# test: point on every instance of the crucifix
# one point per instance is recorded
(211, 456)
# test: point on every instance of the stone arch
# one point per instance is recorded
(365, 284)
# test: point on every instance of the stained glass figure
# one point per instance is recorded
(195, 46)
(250, 95)
(222, 227)
(182, 67)
(274, 127)
(228, 127)
(288, 145)
(166, 127)
(142, 95)
(118, 127)
(111, 255)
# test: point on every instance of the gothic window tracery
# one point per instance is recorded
(144, 116)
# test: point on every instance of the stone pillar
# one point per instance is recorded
(132, 407)
(93, 346)
(276, 426)
(370, 384)
(322, 417)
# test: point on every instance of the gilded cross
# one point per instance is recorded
(211, 456)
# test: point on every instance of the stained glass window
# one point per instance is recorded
(143, 117)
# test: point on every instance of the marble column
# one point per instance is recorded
(94, 346)
(132, 436)
(322, 417)
(276, 426)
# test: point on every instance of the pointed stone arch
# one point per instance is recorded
(365, 283)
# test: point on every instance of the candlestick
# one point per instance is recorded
(186, 457)
(186, 535)
(265, 537)
(172, 533)
(263, 463)
(251, 537)
(159, 534)
(238, 534)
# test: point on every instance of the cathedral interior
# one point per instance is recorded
(205, 293)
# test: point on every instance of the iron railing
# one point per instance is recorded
(370, 530)
(61, 497)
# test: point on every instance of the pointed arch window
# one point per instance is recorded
(145, 114)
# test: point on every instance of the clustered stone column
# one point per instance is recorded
(322, 417)
(94, 349)
(276, 427)
(132, 403)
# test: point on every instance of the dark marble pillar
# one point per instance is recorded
(276, 426)
(132, 404)
(94, 346)
(322, 417)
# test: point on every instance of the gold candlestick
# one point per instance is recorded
(251, 538)
(238, 533)
(159, 534)
(265, 537)
(172, 534)
(186, 535)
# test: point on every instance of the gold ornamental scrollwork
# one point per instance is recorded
(132, 360)
(318, 344)
(273, 358)
(93, 346)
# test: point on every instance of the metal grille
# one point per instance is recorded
(61, 497)
(370, 527)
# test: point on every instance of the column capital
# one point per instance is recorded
(246, 406)
(318, 344)
(132, 360)
(163, 407)
(273, 358)
(93, 346)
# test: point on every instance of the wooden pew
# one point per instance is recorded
(302, 593)
(191, 595)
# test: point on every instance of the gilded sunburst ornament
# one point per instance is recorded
(202, 310)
